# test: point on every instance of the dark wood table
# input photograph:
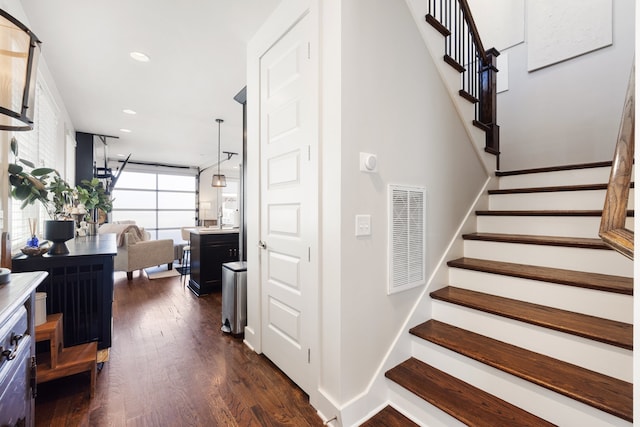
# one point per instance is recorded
(79, 285)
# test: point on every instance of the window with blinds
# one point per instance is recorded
(37, 146)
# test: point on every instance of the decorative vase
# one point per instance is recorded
(92, 229)
(33, 242)
(59, 231)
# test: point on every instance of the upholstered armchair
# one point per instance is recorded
(136, 251)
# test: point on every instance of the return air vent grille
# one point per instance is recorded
(407, 228)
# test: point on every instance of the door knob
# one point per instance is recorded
(262, 244)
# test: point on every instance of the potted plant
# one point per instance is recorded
(92, 194)
(44, 185)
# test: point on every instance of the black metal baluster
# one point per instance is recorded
(455, 32)
(472, 65)
(448, 25)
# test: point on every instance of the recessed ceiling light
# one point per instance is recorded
(139, 56)
(127, 111)
(125, 130)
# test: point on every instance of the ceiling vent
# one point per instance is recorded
(407, 232)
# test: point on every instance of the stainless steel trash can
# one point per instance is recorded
(234, 297)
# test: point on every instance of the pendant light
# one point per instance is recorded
(19, 52)
(219, 180)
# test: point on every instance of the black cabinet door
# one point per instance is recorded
(208, 253)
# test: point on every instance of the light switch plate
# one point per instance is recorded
(363, 225)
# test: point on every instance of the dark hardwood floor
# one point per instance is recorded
(170, 365)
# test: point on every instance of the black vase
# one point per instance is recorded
(58, 232)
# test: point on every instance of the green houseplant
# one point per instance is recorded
(46, 186)
(92, 194)
(43, 185)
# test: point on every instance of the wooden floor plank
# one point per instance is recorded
(611, 332)
(602, 282)
(171, 365)
(462, 401)
(388, 417)
(600, 391)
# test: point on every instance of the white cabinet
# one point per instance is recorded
(17, 349)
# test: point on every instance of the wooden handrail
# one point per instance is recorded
(614, 214)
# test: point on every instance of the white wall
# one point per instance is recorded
(568, 112)
(393, 104)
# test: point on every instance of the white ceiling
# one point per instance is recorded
(198, 64)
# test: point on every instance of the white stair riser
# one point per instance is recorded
(552, 179)
(604, 358)
(557, 200)
(572, 226)
(422, 411)
(537, 400)
(589, 260)
(607, 305)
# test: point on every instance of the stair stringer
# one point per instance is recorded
(378, 393)
(451, 80)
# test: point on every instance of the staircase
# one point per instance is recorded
(534, 327)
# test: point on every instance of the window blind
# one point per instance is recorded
(38, 146)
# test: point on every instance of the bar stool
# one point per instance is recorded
(185, 263)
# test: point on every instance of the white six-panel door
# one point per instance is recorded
(288, 214)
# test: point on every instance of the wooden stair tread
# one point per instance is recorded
(437, 25)
(454, 64)
(482, 127)
(72, 360)
(459, 399)
(552, 189)
(599, 391)
(51, 330)
(607, 331)
(580, 213)
(555, 168)
(388, 417)
(466, 95)
(597, 281)
(572, 242)
(48, 328)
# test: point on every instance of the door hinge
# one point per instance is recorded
(309, 253)
(308, 50)
(308, 355)
(308, 152)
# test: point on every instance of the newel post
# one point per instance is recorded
(488, 102)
